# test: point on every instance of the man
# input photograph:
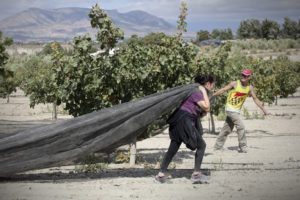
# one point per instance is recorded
(239, 90)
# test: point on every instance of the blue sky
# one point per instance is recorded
(202, 14)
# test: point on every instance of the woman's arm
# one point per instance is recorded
(205, 105)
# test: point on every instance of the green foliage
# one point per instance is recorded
(222, 115)
(287, 76)
(38, 81)
(216, 65)
(142, 67)
(270, 29)
(48, 50)
(153, 67)
(181, 21)
(134, 39)
(78, 83)
(88, 83)
(90, 164)
(222, 34)
(8, 80)
(122, 157)
(8, 83)
(150, 39)
(254, 115)
(108, 35)
(201, 36)
(246, 113)
(3, 54)
(250, 28)
(263, 44)
(278, 77)
(290, 29)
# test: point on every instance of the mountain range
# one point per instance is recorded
(63, 24)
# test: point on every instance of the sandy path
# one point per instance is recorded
(270, 170)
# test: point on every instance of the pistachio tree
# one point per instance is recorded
(7, 80)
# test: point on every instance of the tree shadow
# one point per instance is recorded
(105, 174)
(129, 173)
(158, 154)
(233, 148)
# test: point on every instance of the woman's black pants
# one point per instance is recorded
(173, 148)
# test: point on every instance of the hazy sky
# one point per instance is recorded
(202, 14)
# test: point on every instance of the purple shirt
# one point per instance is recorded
(190, 104)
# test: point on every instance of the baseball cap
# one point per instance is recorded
(247, 72)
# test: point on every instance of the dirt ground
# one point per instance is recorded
(270, 170)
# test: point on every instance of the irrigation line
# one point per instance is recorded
(257, 169)
(222, 163)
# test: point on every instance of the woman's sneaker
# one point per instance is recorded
(162, 179)
(200, 178)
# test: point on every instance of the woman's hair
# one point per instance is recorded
(202, 79)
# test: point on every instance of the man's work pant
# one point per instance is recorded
(232, 119)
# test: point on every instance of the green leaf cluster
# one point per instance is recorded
(37, 80)
(269, 29)
(271, 78)
(86, 83)
(108, 35)
(182, 17)
(216, 65)
(8, 83)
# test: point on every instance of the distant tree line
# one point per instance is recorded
(220, 34)
(254, 29)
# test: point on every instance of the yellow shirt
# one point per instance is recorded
(237, 97)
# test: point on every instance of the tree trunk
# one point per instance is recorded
(208, 119)
(133, 152)
(7, 99)
(276, 98)
(54, 112)
(213, 127)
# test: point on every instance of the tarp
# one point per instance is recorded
(67, 140)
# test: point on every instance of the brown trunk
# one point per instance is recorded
(213, 127)
(54, 112)
(133, 152)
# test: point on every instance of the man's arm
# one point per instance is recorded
(257, 101)
(225, 89)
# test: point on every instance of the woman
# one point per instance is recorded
(185, 126)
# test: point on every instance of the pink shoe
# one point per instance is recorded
(162, 179)
(200, 178)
